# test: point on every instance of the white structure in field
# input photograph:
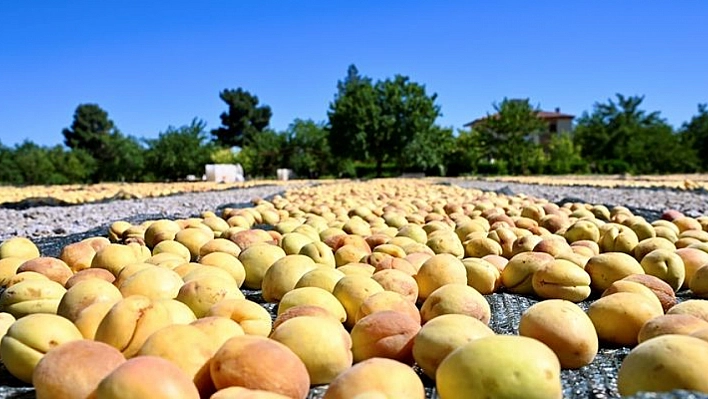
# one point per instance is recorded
(285, 174)
(224, 173)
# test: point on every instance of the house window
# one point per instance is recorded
(553, 127)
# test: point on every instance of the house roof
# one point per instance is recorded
(545, 115)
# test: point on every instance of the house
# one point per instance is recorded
(558, 122)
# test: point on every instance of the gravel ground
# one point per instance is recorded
(53, 221)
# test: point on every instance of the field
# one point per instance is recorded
(79, 194)
(371, 264)
(87, 193)
(679, 181)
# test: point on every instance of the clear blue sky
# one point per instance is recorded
(152, 64)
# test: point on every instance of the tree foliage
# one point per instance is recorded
(29, 163)
(619, 136)
(512, 135)
(428, 151)
(465, 154)
(564, 156)
(89, 129)
(375, 122)
(178, 152)
(264, 154)
(694, 134)
(308, 153)
(243, 120)
(116, 157)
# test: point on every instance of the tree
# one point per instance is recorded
(510, 136)
(694, 134)
(375, 122)
(308, 152)
(353, 113)
(74, 166)
(117, 157)
(465, 153)
(9, 172)
(620, 137)
(179, 152)
(243, 120)
(35, 165)
(428, 151)
(564, 156)
(264, 154)
(89, 129)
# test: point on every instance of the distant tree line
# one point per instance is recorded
(374, 128)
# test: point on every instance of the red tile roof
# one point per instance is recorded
(545, 115)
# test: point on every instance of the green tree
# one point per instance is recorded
(117, 157)
(123, 160)
(308, 151)
(564, 156)
(9, 172)
(74, 166)
(179, 152)
(89, 129)
(264, 154)
(694, 134)
(465, 154)
(35, 164)
(244, 119)
(353, 115)
(621, 137)
(428, 151)
(375, 122)
(221, 155)
(511, 136)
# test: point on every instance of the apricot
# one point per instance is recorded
(439, 270)
(387, 334)
(608, 267)
(201, 293)
(619, 317)
(228, 263)
(253, 318)
(456, 299)
(388, 300)
(29, 338)
(55, 269)
(322, 343)
(74, 369)
(684, 324)
(663, 364)
(260, 363)
(443, 334)
(32, 296)
(153, 282)
(147, 377)
(256, 260)
(565, 328)
(321, 277)
(352, 291)
(84, 294)
(19, 247)
(500, 366)
(186, 346)
(130, 322)
(89, 274)
(377, 378)
(317, 297)
(283, 275)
